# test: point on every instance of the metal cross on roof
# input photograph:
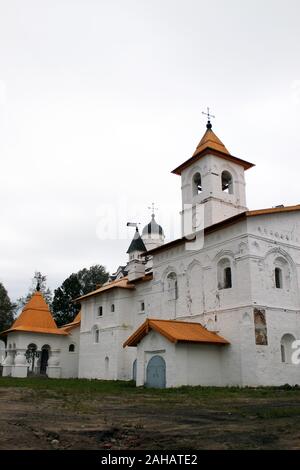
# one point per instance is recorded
(209, 116)
(152, 208)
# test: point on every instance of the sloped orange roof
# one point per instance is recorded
(210, 140)
(210, 143)
(175, 331)
(77, 318)
(122, 283)
(36, 317)
(273, 210)
(226, 222)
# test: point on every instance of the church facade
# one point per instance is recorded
(219, 306)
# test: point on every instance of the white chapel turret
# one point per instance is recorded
(136, 250)
(214, 178)
(153, 235)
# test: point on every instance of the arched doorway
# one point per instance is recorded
(31, 356)
(44, 359)
(156, 372)
(286, 347)
(134, 370)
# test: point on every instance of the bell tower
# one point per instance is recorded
(213, 180)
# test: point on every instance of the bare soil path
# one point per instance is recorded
(95, 415)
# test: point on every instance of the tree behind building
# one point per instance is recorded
(7, 309)
(77, 284)
(41, 280)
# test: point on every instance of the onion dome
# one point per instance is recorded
(153, 229)
(153, 234)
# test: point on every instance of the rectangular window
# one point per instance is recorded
(142, 307)
(96, 336)
(227, 278)
(278, 278)
(282, 349)
(100, 311)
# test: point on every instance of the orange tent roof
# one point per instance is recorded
(210, 143)
(175, 331)
(210, 140)
(119, 283)
(36, 317)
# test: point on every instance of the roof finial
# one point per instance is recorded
(153, 209)
(209, 116)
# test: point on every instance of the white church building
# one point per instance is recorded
(219, 306)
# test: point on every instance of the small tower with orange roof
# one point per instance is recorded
(34, 342)
(214, 179)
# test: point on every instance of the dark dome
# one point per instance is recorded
(152, 228)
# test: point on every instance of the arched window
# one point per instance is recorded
(224, 274)
(278, 278)
(112, 308)
(72, 348)
(100, 311)
(197, 184)
(286, 349)
(281, 273)
(227, 278)
(227, 184)
(172, 286)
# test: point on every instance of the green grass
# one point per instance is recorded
(282, 412)
(69, 385)
(83, 396)
(119, 388)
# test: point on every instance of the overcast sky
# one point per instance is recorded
(100, 100)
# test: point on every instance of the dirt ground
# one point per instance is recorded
(48, 418)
